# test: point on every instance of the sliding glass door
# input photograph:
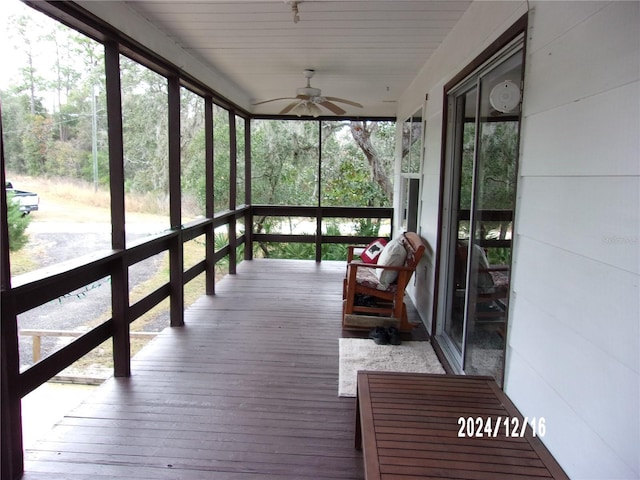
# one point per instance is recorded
(481, 167)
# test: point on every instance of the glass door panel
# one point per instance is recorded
(493, 203)
(482, 148)
(464, 151)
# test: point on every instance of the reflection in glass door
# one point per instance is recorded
(482, 147)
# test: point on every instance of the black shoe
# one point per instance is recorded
(379, 336)
(394, 336)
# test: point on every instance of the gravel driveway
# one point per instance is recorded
(55, 242)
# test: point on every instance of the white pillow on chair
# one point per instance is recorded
(394, 254)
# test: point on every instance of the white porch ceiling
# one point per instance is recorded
(367, 51)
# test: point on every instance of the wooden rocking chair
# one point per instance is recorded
(368, 303)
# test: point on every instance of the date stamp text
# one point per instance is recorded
(490, 427)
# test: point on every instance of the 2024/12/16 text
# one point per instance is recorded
(479, 427)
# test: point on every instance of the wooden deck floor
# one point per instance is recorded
(246, 390)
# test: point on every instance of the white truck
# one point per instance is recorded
(28, 201)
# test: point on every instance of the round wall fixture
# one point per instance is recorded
(505, 96)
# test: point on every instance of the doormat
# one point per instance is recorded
(363, 354)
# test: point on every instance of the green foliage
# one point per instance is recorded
(334, 251)
(36, 143)
(145, 129)
(301, 251)
(307, 251)
(18, 223)
(221, 159)
(348, 177)
(221, 240)
(499, 256)
(285, 162)
(352, 186)
(498, 143)
(368, 227)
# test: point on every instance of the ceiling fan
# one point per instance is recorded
(308, 98)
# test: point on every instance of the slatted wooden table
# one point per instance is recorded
(408, 427)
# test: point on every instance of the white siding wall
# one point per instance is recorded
(573, 347)
(574, 342)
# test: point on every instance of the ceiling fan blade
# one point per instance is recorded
(274, 100)
(288, 108)
(342, 100)
(334, 108)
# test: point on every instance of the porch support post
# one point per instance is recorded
(319, 209)
(119, 271)
(12, 458)
(210, 272)
(233, 190)
(176, 267)
(248, 218)
(11, 405)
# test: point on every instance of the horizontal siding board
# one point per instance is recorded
(545, 344)
(596, 217)
(535, 394)
(597, 136)
(596, 310)
(546, 25)
(596, 55)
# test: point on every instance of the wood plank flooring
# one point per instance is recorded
(247, 389)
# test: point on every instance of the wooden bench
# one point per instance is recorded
(387, 307)
(407, 426)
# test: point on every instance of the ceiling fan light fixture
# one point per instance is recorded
(306, 108)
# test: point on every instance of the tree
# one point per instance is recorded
(22, 27)
(285, 162)
(362, 133)
(145, 129)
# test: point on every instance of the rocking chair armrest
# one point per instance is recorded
(351, 251)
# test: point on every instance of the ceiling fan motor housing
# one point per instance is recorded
(309, 91)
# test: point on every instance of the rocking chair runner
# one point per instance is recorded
(385, 305)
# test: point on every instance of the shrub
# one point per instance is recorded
(18, 223)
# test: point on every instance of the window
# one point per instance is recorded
(412, 132)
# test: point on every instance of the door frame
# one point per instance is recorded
(446, 190)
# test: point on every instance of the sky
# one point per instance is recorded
(12, 58)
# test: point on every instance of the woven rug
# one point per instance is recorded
(363, 354)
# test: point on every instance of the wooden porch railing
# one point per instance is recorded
(37, 335)
(32, 290)
(319, 214)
